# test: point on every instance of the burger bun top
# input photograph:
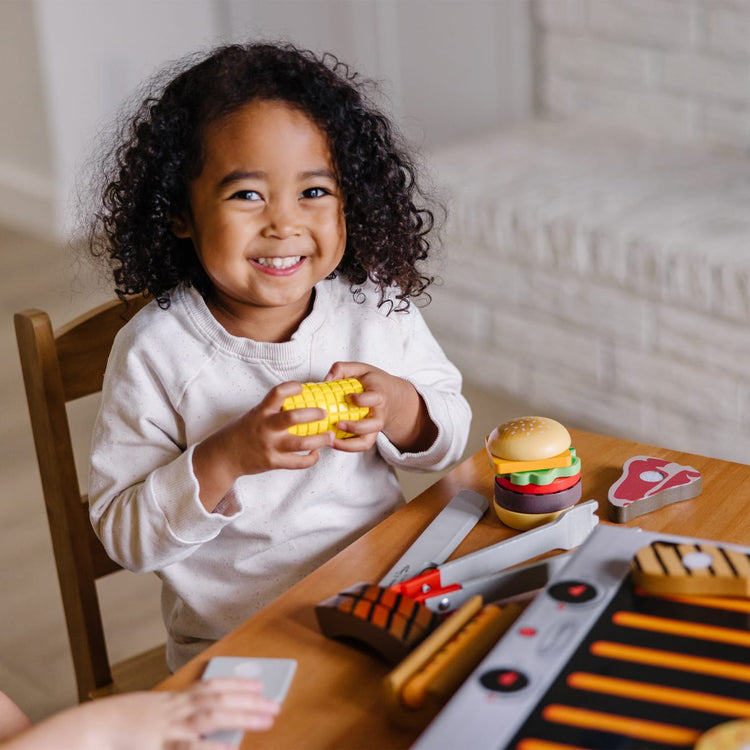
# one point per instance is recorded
(528, 439)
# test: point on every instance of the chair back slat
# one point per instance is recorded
(84, 344)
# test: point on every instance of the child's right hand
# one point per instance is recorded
(265, 441)
(257, 441)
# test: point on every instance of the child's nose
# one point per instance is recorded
(282, 219)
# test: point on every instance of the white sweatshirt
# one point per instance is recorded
(176, 376)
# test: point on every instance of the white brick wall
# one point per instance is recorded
(598, 264)
(727, 30)
(603, 277)
(678, 69)
(663, 24)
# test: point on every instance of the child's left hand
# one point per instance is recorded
(396, 409)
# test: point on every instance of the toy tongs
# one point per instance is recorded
(444, 588)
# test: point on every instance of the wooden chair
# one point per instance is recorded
(59, 367)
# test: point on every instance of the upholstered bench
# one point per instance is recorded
(602, 278)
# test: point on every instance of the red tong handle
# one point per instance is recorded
(423, 586)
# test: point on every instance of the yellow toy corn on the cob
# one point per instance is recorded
(331, 397)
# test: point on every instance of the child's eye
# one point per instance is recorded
(246, 195)
(316, 192)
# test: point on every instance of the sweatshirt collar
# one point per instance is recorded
(286, 352)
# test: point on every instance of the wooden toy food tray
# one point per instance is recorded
(593, 663)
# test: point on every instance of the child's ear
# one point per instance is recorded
(181, 227)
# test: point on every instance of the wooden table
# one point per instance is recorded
(335, 698)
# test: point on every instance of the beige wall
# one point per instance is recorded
(449, 69)
(26, 168)
(23, 127)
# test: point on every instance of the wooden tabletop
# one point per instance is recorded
(335, 699)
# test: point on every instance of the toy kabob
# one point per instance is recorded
(538, 474)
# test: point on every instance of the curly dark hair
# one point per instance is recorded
(161, 150)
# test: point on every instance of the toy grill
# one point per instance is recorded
(595, 663)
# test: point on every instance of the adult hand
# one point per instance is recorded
(175, 720)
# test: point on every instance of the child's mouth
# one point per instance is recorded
(279, 264)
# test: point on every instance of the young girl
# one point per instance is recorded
(263, 203)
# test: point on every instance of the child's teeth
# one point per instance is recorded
(280, 262)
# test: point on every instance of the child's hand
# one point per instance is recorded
(257, 441)
(396, 409)
(265, 441)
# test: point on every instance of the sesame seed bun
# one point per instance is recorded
(528, 439)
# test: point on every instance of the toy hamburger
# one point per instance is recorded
(537, 472)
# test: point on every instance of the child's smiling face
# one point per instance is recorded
(266, 217)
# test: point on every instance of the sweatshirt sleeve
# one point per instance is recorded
(143, 494)
(438, 382)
